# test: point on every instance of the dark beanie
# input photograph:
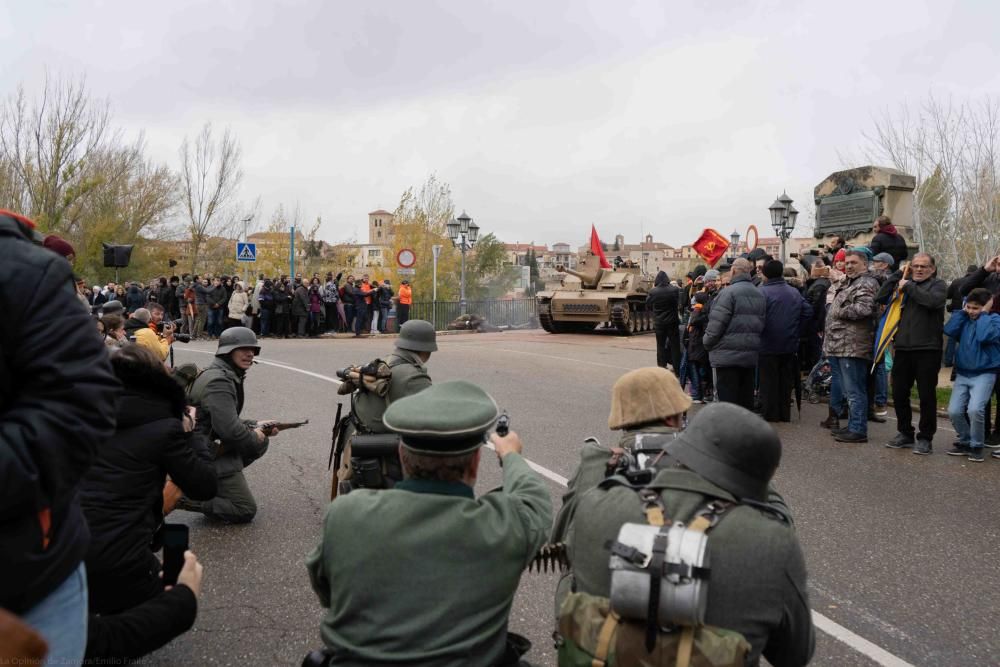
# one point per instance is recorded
(773, 269)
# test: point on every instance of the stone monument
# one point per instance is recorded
(847, 203)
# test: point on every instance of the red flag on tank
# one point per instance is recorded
(595, 247)
(711, 245)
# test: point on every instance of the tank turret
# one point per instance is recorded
(589, 279)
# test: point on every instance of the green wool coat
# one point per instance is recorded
(758, 573)
(425, 573)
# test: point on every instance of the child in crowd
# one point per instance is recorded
(977, 361)
(697, 356)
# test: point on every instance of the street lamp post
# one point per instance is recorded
(436, 249)
(463, 233)
(246, 238)
(783, 216)
(734, 245)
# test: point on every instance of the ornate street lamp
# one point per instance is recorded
(783, 216)
(463, 233)
(734, 245)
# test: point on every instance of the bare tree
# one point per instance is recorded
(953, 150)
(210, 177)
(48, 150)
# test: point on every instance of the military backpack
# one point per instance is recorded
(659, 589)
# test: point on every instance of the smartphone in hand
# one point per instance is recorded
(175, 543)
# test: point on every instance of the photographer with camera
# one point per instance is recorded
(121, 496)
(708, 487)
(443, 539)
(139, 327)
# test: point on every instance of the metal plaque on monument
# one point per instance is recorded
(847, 202)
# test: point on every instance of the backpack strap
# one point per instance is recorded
(604, 639)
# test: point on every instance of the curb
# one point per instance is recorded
(915, 407)
(347, 336)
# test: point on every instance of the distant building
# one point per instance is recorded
(561, 254)
(380, 232)
(517, 253)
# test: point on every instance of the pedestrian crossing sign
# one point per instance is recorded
(246, 252)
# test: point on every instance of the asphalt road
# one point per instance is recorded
(902, 550)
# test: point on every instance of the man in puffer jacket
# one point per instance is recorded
(58, 400)
(848, 343)
(732, 336)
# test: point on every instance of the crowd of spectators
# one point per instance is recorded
(758, 333)
(202, 307)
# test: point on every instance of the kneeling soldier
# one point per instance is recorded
(658, 525)
(425, 573)
(217, 392)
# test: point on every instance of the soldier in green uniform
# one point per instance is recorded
(217, 392)
(414, 345)
(758, 576)
(425, 573)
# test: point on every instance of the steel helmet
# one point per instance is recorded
(235, 338)
(417, 336)
(731, 447)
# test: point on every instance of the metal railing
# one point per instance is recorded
(498, 312)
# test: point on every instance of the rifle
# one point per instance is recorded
(337, 446)
(281, 426)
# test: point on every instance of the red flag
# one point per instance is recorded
(595, 247)
(711, 245)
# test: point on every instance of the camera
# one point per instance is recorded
(175, 325)
(344, 374)
(638, 462)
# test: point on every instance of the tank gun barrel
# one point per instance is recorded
(588, 279)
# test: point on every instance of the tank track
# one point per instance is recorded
(545, 318)
(638, 320)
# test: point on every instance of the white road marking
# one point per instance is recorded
(858, 643)
(575, 361)
(827, 625)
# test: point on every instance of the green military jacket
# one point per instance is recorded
(590, 472)
(218, 394)
(409, 376)
(425, 573)
(758, 580)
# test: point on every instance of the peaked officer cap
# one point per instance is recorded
(646, 395)
(447, 419)
(731, 447)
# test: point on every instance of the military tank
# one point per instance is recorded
(614, 297)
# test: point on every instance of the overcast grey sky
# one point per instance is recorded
(544, 116)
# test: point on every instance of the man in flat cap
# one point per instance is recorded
(722, 463)
(425, 573)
